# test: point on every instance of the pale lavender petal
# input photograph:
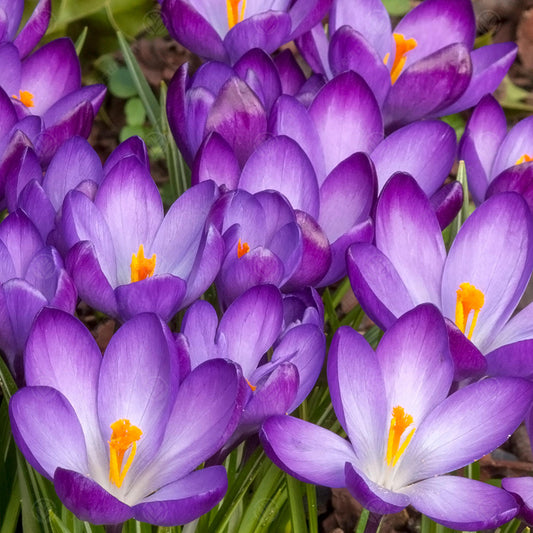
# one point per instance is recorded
(517, 179)
(462, 504)
(307, 452)
(514, 146)
(306, 14)
(511, 360)
(11, 73)
(34, 29)
(313, 46)
(347, 118)
(131, 146)
(522, 489)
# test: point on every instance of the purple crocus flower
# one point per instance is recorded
(31, 276)
(425, 69)
(497, 161)
(404, 430)
(263, 242)
(224, 31)
(477, 285)
(11, 12)
(126, 257)
(255, 322)
(47, 84)
(119, 436)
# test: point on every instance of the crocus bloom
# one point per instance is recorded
(120, 436)
(32, 276)
(10, 18)
(250, 327)
(497, 160)
(477, 285)
(224, 31)
(425, 69)
(404, 430)
(47, 84)
(126, 257)
(263, 242)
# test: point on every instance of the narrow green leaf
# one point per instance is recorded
(312, 508)
(363, 519)
(331, 314)
(80, 41)
(11, 514)
(7, 383)
(459, 220)
(294, 491)
(143, 88)
(57, 524)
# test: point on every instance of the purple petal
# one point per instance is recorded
(307, 14)
(216, 161)
(35, 203)
(498, 264)
(408, 233)
(10, 75)
(267, 30)
(374, 497)
(34, 29)
(517, 179)
(347, 118)
(88, 500)
(462, 504)
(307, 452)
(447, 202)
(251, 324)
(313, 46)
(290, 74)
(489, 66)
(239, 117)
(61, 77)
(468, 361)
(39, 415)
(132, 146)
(429, 85)
(184, 500)
(425, 150)
(468, 424)
(13, 12)
(280, 164)
(8, 116)
(188, 27)
(358, 395)
(511, 360)
(522, 489)
(377, 285)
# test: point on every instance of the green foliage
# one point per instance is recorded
(397, 8)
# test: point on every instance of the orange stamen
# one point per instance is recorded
(403, 46)
(253, 387)
(524, 159)
(232, 7)
(242, 249)
(141, 267)
(25, 97)
(469, 299)
(124, 438)
(400, 421)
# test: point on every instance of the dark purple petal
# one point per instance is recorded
(313, 46)
(511, 360)
(88, 500)
(178, 112)
(377, 285)
(47, 430)
(267, 30)
(34, 29)
(250, 326)
(131, 146)
(216, 161)
(517, 179)
(408, 233)
(429, 85)
(188, 27)
(17, 177)
(349, 50)
(347, 118)
(290, 74)
(184, 500)
(489, 65)
(35, 203)
(61, 77)
(280, 164)
(462, 504)
(8, 116)
(447, 203)
(239, 117)
(374, 497)
(13, 12)
(425, 150)
(468, 361)
(307, 14)
(307, 452)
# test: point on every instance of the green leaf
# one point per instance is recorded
(457, 122)
(7, 383)
(397, 8)
(135, 112)
(57, 524)
(121, 84)
(11, 514)
(80, 41)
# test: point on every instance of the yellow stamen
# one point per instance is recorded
(124, 438)
(242, 249)
(141, 267)
(403, 46)
(25, 97)
(400, 421)
(524, 159)
(469, 299)
(232, 7)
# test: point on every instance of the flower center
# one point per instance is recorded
(141, 267)
(123, 438)
(242, 249)
(524, 159)
(469, 299)
(234, 15)
(403, 46)
(400, 421)
(25, 97)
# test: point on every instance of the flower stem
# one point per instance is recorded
(363, 519)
